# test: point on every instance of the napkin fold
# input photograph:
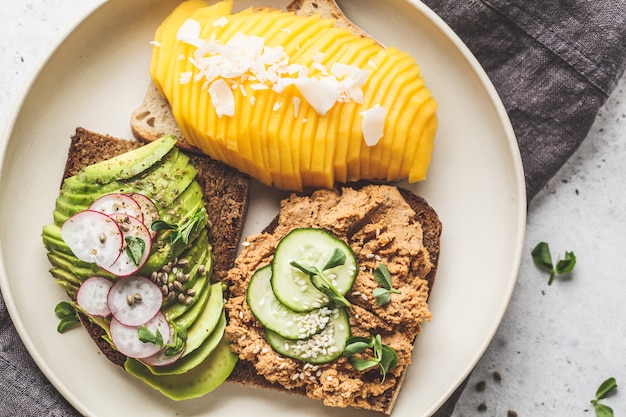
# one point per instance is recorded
(554, 63)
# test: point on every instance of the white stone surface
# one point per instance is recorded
(556, 343)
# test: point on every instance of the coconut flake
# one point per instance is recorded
(185, 77)
(189, 32)
(320, 95)
(221, 22)
(373, 124)
(222, 98)
(296, 106)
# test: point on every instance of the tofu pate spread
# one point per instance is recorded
(381, 228)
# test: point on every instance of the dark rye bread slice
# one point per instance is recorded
(427, 217)
(225, 190)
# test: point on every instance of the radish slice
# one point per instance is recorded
(117, 203)
(134, 300)
(148, 208)
(134, 232)
(93, 237)
(92, 296)
(126, 338)
(160, 359)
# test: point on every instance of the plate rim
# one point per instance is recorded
(459, 45)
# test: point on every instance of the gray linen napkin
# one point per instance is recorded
(553, 62)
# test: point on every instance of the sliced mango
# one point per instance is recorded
(282, 113)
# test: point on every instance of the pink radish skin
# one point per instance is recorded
(93, 237)
(148, 208)
(92, 296)
(126, 338)
(117, 204)
(134, 312)
(130, 226)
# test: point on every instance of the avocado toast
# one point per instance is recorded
(181, 187)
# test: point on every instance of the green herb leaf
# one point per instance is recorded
(179, 338)
(158, 225)
(606, 388)
(388, 360)
(357, 344)
(541, 256)
(337, 258)
(382, 296)
(135, 247)
(383, 277)
(363, 364)
(67, 313)
(189, 226)
(603, 410)
(67, 323)
(384, 356)
(566, 265)
(543, 260)
(310, 270)
(322, 283)
(64, 309)
(146, 336)
(184, 231)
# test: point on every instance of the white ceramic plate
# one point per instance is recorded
(98, 74)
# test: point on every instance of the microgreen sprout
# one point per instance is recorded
(605, 389)
(180, 335)
(135, 247)
(180, 232)
(543, 259)
(321, 281)
(384, 356)
(383, 293)
(67, 313)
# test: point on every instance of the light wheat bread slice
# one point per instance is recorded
(153, 118)
(225, 192)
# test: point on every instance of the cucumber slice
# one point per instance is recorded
(278, 318)
(322, 347)
(310, 248)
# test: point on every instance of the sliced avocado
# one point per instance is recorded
(202, 379)
(163, 249)
(128, 164)
(52, 239)
(61, 274)
(196, 357)
(177, 309)
(203, 326)
(190, 316)
(81, 270)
